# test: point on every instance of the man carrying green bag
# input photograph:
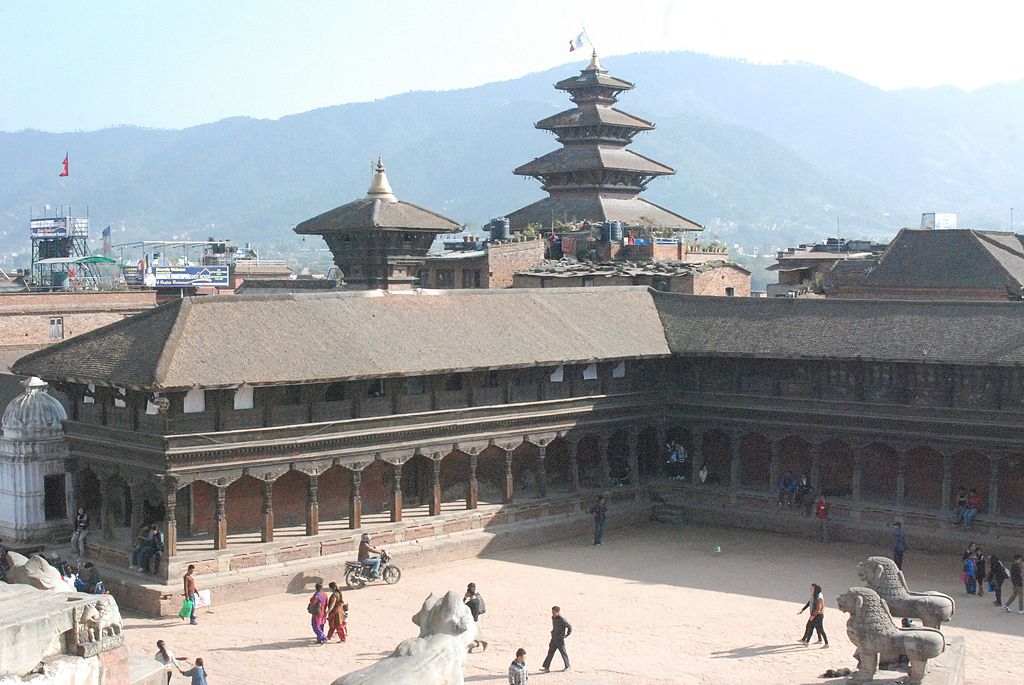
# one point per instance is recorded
(186, 609)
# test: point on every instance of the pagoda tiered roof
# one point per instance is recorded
(585, 158)
(632, 211)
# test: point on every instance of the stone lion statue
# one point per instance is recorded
(101, 619)
(436, 657)
(35, 571)
(871, 629)
(884, 577)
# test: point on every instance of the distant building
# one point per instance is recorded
(802, 270)
(710, 278)
(951, 264)
(481, 264)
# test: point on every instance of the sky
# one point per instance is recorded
(72, 65)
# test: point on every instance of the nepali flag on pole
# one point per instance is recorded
(579, 41)
(64, 172)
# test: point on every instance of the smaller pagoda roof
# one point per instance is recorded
(380, 209)
(633, 211)
(591, 116)
(593, 75)
(592, 157)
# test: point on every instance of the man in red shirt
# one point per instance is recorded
(974, 505)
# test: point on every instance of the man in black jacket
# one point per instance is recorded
(560, 629)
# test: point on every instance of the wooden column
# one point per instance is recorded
(901, 479)
(472, 487)
(267, 531)
(633, 457)
(542, 474)
(171, 521)
(735, 461)
(993, 487)
(858, 473)
(220, 530)
(775, 467)
(107, 509)
(137, 510)
(602, 461)
(697, 458)
(396, 493)
(815, 474)
(435, 486)
(355, 501)
(574, 463)
(312, 505)
(509, 491)
(947, 482)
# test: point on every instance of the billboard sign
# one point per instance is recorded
(56, 227)
(79, 227)
(187, 276)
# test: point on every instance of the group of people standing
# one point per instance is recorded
(968, 504)
(981, 570)
(331, 611)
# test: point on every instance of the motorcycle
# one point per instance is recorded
(357, 575)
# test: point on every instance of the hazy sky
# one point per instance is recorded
(89, 64)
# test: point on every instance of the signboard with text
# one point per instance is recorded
(187, 276)
(59, 227)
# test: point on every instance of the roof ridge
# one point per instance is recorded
(170, 343)
(985, 244)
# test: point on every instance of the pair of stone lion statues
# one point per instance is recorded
(871, 627)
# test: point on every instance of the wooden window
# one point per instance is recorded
(415, 386)
(56, 328)
(590, 372)
(244, 397)
(195, 401)
(558, 375)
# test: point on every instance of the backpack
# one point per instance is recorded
(480, 607)
(314, 606)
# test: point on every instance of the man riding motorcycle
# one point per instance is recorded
(365, 550)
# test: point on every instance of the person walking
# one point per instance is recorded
(167, 658)
(560, 629)
(816, 619)
(318, 613)
(336, 614)
(197, 673)
(517, 671)
(821, 509)
(1017, 581)
(979, 570)
(80, 533)
(475, 601)
(599, 511)
(191, 594)
(899, 545)
(997, 575)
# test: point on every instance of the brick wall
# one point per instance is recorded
(25, 318)
(715, 282)
(504, 259)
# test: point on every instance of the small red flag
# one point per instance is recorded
(64, 172)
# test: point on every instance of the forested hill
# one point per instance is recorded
(766, 156)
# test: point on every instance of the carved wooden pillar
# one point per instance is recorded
(901, 479)
(137, 514)
(603, 465)
(435, 485)
(355, 501)
(107, 508)
(572, 445)
(633, 458)
(993, 487)
(220, 530)
(312, 505)
(775, 467)
(509, 491)
(171, 520)
(947, 482)
(396, 493)
(472, 487)
(267, 531)
(858, 472)
(542, 474)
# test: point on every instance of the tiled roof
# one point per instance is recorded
(224, 341)
(369, 213)
(633, 211)
(589, 115)
(592, 157)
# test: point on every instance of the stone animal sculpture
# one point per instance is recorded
(436, 657)
(102, 619)
(872, 631)
(884, 577)
(35, 571)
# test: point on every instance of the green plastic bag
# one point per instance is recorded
(186, 609)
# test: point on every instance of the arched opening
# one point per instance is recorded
(588, 459)
(557, 466)
(972, 470)
(417, 475)
(1011, 486)
(524, 471)
(878, 477)
(334, 488)
(618, 458)
(835, 470)
(756, 453)
(795, 456)
(87, 493)
(244, 503)
(649, 454)
(376, 487)
(203, 499)
(490, 475)
(455, 476)
(289, 500)
(924, 478)
(679, 441)
(717, 454)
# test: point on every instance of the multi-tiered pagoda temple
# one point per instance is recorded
(594, 177)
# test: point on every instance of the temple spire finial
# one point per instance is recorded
(380, 189)
(595, 64)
